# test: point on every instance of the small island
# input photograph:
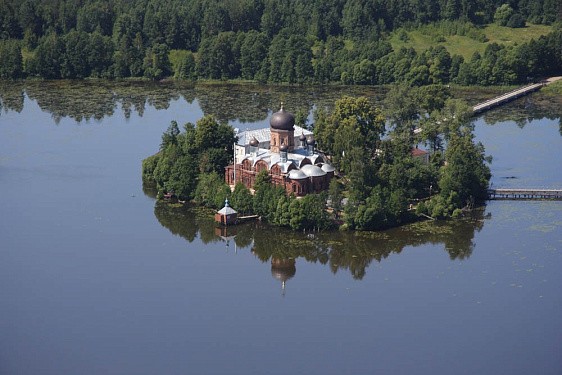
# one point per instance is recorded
(355, 168)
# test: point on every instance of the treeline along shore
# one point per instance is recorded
(363, 42)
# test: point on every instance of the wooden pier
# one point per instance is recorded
(525, 194)
(249, 217)
(507, 97)
(512, 95)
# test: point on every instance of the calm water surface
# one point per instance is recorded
(96, 278)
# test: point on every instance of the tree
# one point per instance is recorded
(49, 57)
(364, 73)
(100, 55)
(9, 26)
(11, 64)
(211, 190)
(214, 142)
(148, 166)
(308, 212)
(465, 176)
(97, 16)
(431, 98)
(516, 21)
(252, 54)
(503, 14)
(266, 197)
(187, 67)
(156, 63)
(354, 121)
(202, 149)
(183, 177)
(75, 60)
(335, 193)
(301, 118)
(170, 136)
(242, 199)
(401, 108)
(30, 20)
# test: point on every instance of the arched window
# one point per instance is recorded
(261, 166)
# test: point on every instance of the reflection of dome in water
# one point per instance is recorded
(282, 120)
(283, 269)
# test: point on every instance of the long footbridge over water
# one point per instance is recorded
(512, 95)
(525, 194)
(518, 194)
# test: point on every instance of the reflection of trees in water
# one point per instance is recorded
(525, 110)
(81, 101)
(86, 100)
(252, 103)
(187, 222)
(230, 102)
(11, 96)
(352, 251)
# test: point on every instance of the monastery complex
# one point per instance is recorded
(287, 152)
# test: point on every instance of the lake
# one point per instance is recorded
(96, 277)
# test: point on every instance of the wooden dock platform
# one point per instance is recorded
(525, 194)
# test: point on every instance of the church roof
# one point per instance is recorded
(312, 170)
(297, 174)
(227, 210)
(264, 135)
(328, 167)
(282, 120)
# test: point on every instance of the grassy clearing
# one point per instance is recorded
(553, 89)
(506, 35)
(423, 38)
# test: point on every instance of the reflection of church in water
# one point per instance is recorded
(282, 269)
(287, 152)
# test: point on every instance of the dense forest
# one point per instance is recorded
(291, 41)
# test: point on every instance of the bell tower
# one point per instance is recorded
(282, 127)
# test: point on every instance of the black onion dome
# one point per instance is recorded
(282, 120)
(254, 142)
(283, 148)
(302, 137)
(311, 141)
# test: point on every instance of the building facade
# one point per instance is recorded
(287, 152)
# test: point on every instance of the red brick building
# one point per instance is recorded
(291, 160)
